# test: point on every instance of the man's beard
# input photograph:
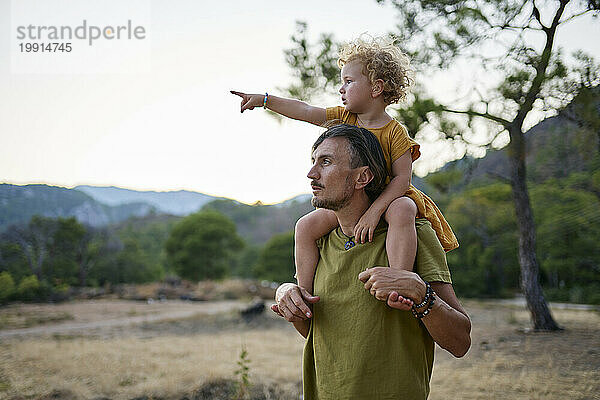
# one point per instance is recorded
(335, 204)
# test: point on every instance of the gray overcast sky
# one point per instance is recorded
(171, 123)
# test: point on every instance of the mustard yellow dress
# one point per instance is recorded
(395, 141)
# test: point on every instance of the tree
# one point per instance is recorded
(34, 239)
(485, 220)
(133, 264)
(65, 245)
(534, 78)
(7, 286)
(567, 219)
(202, 245)
(276, 259)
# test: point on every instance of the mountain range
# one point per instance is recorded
(181, 202)
(100, 206)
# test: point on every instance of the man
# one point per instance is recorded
(362, 342)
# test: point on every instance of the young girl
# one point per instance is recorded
(374, 74)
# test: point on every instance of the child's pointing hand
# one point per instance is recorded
(249, 101)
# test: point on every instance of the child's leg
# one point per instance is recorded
(401, 240)
(309, 229)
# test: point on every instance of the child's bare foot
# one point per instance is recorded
(401, 303)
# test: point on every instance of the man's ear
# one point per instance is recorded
(365, 176)
(377, 88)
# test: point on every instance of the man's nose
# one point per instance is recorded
(341, 89)
(312, 174)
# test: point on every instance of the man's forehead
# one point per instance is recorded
(336, 147)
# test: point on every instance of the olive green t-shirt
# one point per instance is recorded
(358, 347)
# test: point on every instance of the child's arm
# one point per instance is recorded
(402, 172)
(290, 108)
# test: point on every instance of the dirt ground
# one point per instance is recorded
(179, 349)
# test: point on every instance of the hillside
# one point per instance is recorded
(257, 223)
(556, 147)
(105, 206)
(19, 203)
(180, 202)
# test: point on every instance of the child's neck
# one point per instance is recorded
(374, 118)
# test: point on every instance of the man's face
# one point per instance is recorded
(331, 176)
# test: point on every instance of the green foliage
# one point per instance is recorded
(568, 225)
(276, 259)
(243, 265)
(202, 246)
(62, 252)
(243, 375)
(444, 181)
(150, 235)
(29, 288)
(486, 261)
(12, 259)
(567, 217)
(64, 247)
(257, 223)
(133, 265)
(315, 69)
(7, 286)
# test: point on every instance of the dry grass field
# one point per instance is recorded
(177, 355)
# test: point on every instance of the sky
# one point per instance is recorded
(156, 113)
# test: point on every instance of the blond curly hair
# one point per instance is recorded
(381, 59)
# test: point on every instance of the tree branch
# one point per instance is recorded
(536, 14)
(516, 28)
(541, 68)
(574, 16)
(485, 115)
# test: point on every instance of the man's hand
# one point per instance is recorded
(365, 227)
(249, 101)
(398, 288)
(292, 302)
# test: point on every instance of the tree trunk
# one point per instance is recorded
(536, 303)
(82, 273)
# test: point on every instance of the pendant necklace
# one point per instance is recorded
(350, 243)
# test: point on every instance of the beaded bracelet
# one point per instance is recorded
(424, 313)
(265, 100)
(428, 292)
(429, 301)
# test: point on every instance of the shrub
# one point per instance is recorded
(7, 286)
(276, 259)
(28, 288)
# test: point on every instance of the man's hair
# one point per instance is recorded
(364, 150)
(383, 60)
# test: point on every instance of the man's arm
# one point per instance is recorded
(447, 322)
(290, 108)
(292, 305)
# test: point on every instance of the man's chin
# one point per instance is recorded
(322, 203)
